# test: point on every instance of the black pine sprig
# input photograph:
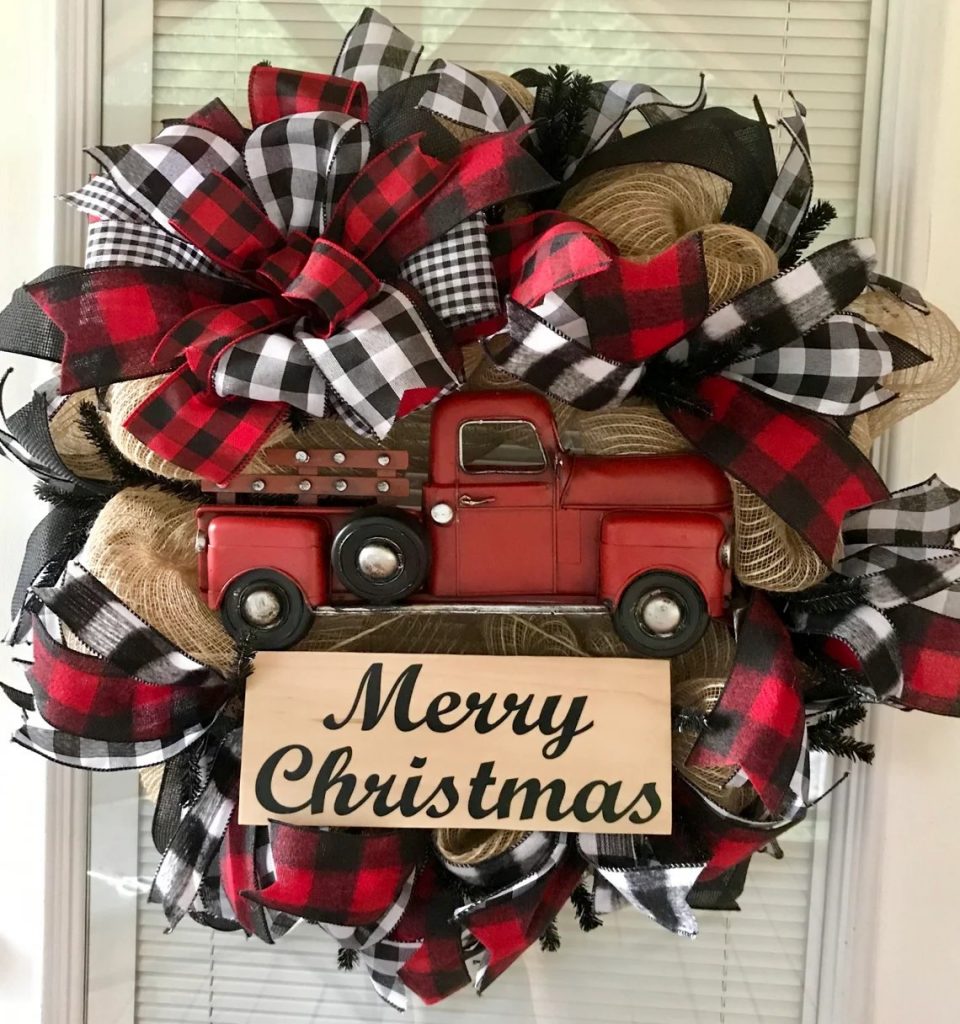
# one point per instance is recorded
(584, 909)
(819, 216)
(124, 472)
(550, 939)
(560, 111)
(830, 733)
(347, 959)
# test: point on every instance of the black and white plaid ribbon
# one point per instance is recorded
(546, 358)
(116, 634)
(376, 53)
(509, 874)
(103, 755)
(159, 176)
(25, 438)
(626, 870)
(299, 166)
(471, 100)
(382, 956)
(834, 370)
(382, 353)
(197, 840)
(897, 552)
(613, 101)
(791, 195)
(777, 312)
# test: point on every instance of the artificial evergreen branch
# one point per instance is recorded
(347, 959)
(829, 733)
(124, 472)
(550, 939)
(584, 909)
(688, 720)
(818, 217)
(560, 110)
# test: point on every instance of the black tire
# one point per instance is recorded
(402, 538)
(293, 619)
(629, 623)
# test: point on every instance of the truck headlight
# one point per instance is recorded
(725, 554)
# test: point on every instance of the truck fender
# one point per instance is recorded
(685, 542)
(297, 548)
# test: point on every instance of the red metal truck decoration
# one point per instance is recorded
(510, 521)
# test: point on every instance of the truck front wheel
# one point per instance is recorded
(381, 557)
(265, 609)
(661, 614)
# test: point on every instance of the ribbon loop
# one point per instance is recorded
(275, 93)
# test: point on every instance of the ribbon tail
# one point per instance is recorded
(201, 432)
(757, 726)
(805, 468)
(790, 199)
(197, 841)
(542, 357)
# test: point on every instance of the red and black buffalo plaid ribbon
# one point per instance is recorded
(515, 896)
(113, 317)
(400, 201)
(437, 969)
(274, 93)
(758, 723)
(583, 320)
(344, 878)
(86, 696)
(240, 873)
(506, 929)
(894, 600)
(802, 465)
(730, 839)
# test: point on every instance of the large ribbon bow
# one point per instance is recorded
(330, 284)
(894, 600)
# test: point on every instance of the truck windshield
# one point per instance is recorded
(500, 446)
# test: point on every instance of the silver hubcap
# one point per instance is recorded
(660, 613)
(378, 560)
(261, 608)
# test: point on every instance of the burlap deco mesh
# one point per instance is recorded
(142, 548)
(79, 455)
(644, 208)
(933, 334)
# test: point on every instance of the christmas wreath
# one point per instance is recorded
(378, 239)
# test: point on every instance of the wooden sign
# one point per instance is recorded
(439, 740)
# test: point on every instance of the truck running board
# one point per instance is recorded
(465, 609)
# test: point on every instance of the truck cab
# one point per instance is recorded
(508, 519)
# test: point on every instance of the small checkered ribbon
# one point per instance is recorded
(894, 600)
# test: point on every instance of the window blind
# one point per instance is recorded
(817, 48)
(743, 968)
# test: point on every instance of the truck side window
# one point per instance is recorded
(500, 446)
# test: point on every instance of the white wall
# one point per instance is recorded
(915, 798)
(26, 219)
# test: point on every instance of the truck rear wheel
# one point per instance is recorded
(266, 609)
(381, 557)
(661, 614)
